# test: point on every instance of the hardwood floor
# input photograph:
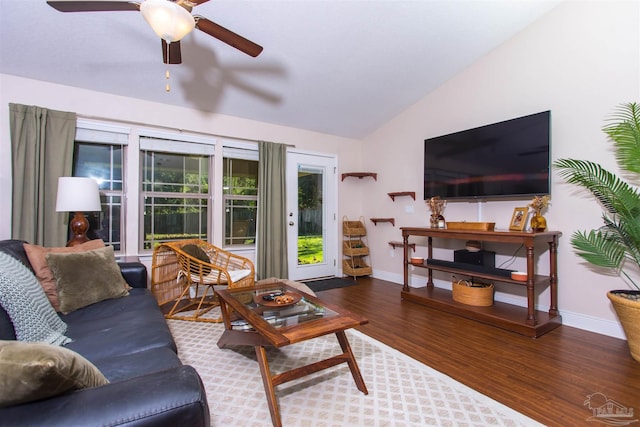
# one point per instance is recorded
(548, 378)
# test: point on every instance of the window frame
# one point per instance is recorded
(129, 135)
(105, 134)
(177, 144)
(238, 151)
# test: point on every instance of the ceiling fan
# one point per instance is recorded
(170, 19)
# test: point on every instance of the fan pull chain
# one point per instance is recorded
(167, 74)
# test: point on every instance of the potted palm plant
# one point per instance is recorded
(616, 245)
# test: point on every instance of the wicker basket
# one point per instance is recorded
(355, 267)
(476, 294)
(353, 228)
(628, 312)
(354, 248)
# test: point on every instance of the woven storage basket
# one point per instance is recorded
(466, 292)
(628, 312)
(354, 248)
(355, 267)
(353, 228)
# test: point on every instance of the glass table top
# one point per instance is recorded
(280, 307)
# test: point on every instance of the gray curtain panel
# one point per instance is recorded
(271, 244)
(41, 151)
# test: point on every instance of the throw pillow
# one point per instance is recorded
(22, 297)
(37, 257)
(197, 252)
(236, 275)
(34, 371)
(85, 278)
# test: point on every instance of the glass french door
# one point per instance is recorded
(311, 216)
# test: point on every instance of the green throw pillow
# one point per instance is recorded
(84, 278)
(34, 371)
(197, 252)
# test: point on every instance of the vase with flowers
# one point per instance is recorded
(538, 222)
(436, 204)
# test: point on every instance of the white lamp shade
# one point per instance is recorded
(76, 194)
(169, 20)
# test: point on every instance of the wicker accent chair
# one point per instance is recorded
(186, 273)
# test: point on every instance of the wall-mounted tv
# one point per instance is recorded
(505, 159)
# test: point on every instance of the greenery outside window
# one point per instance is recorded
(104, 163)
(175, 195)
(240, 193)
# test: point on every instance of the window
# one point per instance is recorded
(170, 175)
(175, 193)
(240, 192)
(99, 154)
(104, 164)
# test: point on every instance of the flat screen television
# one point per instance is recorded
(500, 160)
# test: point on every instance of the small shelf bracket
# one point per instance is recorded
(401, 245)
(393, 196)
(377, 220)
(360, 175)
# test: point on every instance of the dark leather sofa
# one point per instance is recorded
(129, 341)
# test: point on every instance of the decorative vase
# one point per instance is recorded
(628, 310)
(437, 207)
(538, 222)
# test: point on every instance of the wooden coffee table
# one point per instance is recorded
(251, 320)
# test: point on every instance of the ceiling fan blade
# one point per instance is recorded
(198, 2)
(227, 36)
(175, 55)
(92, 6)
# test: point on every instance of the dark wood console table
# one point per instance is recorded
(526, 321)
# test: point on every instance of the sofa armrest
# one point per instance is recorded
(135, 273)
(171, 398)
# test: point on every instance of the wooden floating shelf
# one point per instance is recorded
(400, 245)
(393, 196)
(360, 175)
(377, 220)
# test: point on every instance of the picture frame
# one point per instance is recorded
(518, 219)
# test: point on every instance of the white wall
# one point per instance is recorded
(580, 61)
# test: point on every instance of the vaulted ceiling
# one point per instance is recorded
(341, 67)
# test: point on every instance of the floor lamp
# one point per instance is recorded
(79, 195)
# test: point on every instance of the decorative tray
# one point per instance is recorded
(282, 300)
(466, 225)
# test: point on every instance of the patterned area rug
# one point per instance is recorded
(402, 391)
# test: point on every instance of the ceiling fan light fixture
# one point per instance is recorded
(169, 20)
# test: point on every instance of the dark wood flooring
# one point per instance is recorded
(547, 379)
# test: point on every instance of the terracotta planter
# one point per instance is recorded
(628, 311)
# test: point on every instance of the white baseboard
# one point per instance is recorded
(575, 320)
(593, 324)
